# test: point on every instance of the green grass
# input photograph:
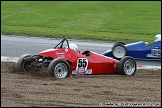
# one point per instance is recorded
(126, 21)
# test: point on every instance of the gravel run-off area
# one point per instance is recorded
(20, 89)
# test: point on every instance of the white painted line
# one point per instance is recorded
(148, 67)
(9, 59)
(15, 59)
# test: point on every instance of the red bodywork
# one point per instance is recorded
(82, 64)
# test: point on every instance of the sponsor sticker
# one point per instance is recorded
(88, 71)
(74, 72)
(66, 50)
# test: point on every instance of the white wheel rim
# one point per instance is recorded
(60, 70)
(129, 67)
(119, 52)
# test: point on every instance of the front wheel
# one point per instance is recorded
(59, 68)
(127, 66)
(20, 65)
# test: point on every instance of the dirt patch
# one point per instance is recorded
(19, 89)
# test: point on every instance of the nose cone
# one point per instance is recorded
(48, 52)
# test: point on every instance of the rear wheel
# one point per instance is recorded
(20, 65)
(119, 51)
(127, 66)
(59, 68)
(119, 43)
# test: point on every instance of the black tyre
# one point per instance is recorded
(119, 43)
(127, 66)
(59, 68)
(20, 64)
(119, 51)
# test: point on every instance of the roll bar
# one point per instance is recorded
(61, 43)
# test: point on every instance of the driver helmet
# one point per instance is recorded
(73, 46)
(157, 38)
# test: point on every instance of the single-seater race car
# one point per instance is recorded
(137, 50)
(65, 60)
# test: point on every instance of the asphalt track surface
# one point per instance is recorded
(15, 46)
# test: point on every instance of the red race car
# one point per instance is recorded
(64, 60)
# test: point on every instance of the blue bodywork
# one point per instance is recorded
(140, 50)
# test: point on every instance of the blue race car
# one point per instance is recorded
(137, 50)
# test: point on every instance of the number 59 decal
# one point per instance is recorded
(82, 65)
